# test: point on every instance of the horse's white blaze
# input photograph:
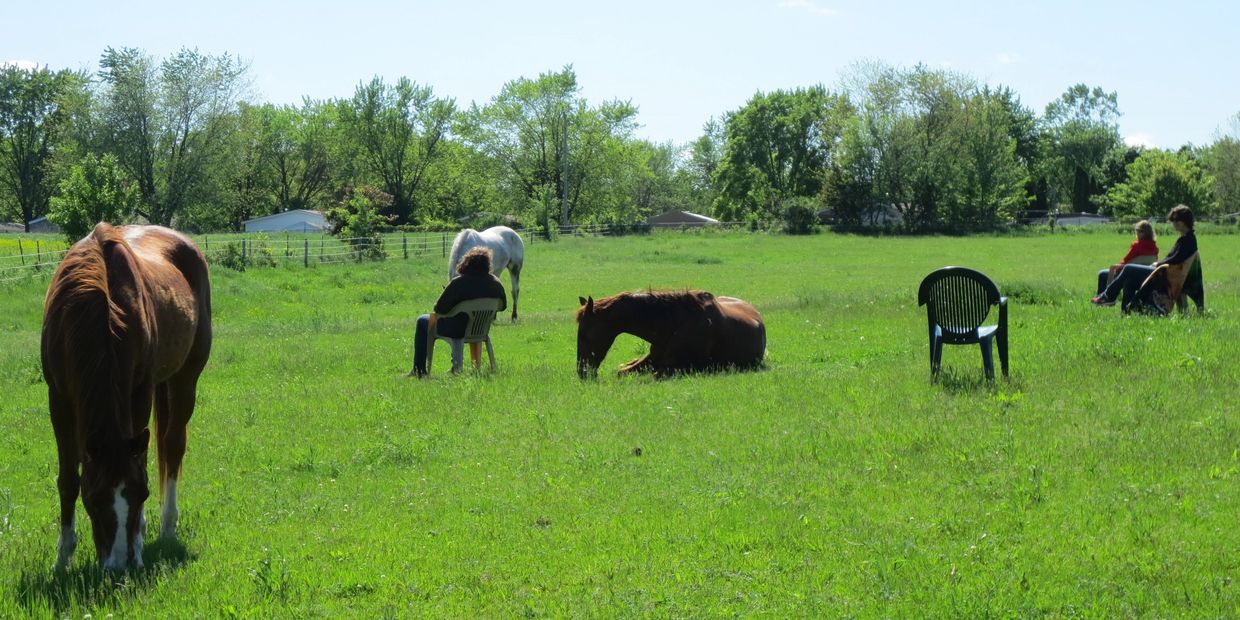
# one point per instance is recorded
(66, 544)
(168, 518)
(120, 545)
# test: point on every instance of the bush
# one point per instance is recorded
(356, 220)
(238, 255)
(799, 216)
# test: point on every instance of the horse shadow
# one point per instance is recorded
(87, 586)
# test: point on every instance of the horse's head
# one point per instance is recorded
(114, 490)
(594, 339)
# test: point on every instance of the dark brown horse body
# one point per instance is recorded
(687, 331)
(127, 324)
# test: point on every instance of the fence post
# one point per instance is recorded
(21, 252)
(243, 250)
(305, 256)
(445, 244)
(359, 252)
(404, 245)
(37, 251)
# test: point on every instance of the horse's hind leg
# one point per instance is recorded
(514, 273)
(67, 481)
(174, 404)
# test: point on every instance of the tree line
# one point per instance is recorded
(179, 141)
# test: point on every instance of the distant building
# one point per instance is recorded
(677, 218)
(296, 220)
(1080, 219)
(10, 227)
(42, 225)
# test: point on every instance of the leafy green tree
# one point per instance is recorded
(96, 190)
(704, 156)
(32, 120)
(397, 130)
(777, 147)
(169, 124)
(536, 129)
(1222, 161)
(1159, 180)
(1081, 128)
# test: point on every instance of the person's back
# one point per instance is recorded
(465, 287)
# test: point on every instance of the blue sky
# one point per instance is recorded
(1174, 64)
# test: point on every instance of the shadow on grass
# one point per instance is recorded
(962, 382)
(88, 587)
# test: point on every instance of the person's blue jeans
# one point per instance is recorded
(1126, 282)
(420, 341)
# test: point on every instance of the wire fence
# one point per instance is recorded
(35, 257)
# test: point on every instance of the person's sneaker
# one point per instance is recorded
(1101, 301)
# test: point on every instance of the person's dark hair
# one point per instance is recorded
(1181, 213)
(477, 261)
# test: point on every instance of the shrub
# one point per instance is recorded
(799, 216)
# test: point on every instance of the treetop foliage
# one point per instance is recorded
(181, 141)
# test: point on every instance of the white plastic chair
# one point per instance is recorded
(478, 331)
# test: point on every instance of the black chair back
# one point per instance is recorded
(958, 300)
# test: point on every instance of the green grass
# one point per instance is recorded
(1100, 481)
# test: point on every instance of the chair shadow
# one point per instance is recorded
(959, 382)
(88, 586)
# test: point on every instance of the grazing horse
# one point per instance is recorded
(126, 323)
(687, 331)
(507, 251)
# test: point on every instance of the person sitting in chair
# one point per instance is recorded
(1129, 279)
(474, 281)
(1143, 251)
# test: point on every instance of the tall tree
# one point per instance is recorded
(704, 156)
(537, 129)
(1222, 162)
(32, 118)
(397, 130)
(169, 123)
(1081, 128)
(778, 146)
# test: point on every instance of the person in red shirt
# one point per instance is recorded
(1143, 251)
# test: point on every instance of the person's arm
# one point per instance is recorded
(503, 296)
(449, 298)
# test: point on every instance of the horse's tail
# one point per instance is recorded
(460, 245)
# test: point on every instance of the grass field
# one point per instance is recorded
(1100, 481)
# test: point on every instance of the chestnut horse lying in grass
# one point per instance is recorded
(687, 331)
(126, 323)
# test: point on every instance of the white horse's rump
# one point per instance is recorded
(507, 252)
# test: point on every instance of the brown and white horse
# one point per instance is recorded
(687, 331)
(126, 323)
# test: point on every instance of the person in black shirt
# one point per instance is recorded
(1129, 279)
(474, 281)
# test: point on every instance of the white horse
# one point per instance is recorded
(507, 251)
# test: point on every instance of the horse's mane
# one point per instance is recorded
(87, 324)
(652, 301)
